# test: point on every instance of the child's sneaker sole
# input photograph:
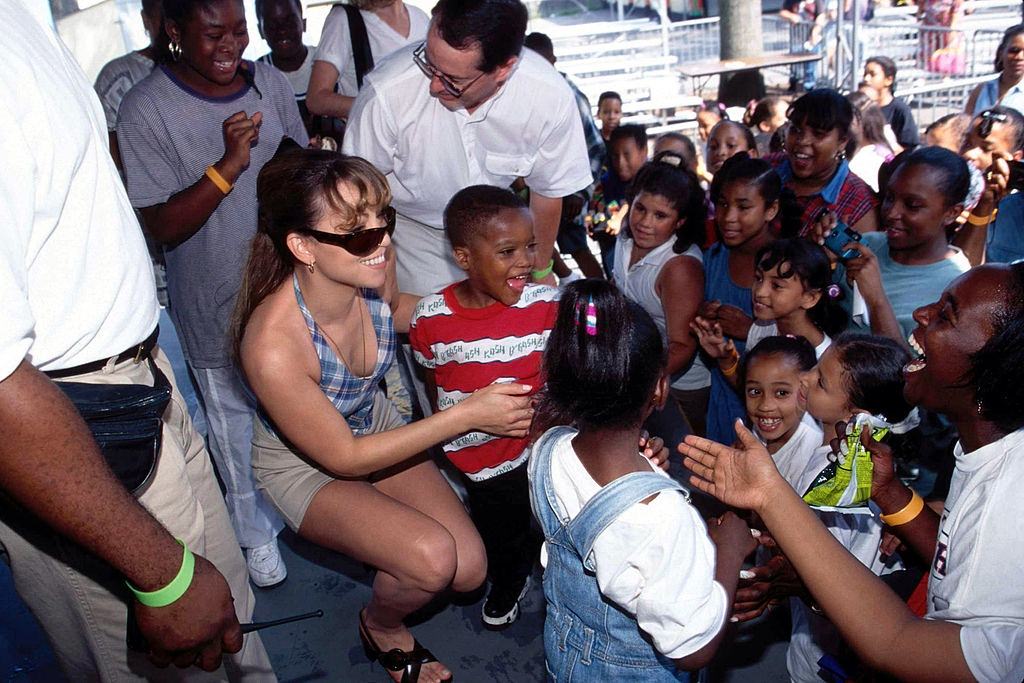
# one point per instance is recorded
(497, 622)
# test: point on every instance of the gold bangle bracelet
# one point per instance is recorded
(217, 179)
(981, 220)
(909, 512)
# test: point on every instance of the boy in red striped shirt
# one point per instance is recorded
(490, 327)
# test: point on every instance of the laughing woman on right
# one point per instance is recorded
(972, 370)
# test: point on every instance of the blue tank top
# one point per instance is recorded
(724, 404)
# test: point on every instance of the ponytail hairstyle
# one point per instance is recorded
(805, 260)
(740, 167)
(873, 379)
(796, 349)
(295, 189)
(763, 111)
(669, 177)
(603, 360)
(873, 374)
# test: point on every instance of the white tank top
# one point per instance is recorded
(638, 283)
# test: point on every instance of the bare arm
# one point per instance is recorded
(184, 213)
(50, 464)
(680, 287)
(321, 98)
(546, 212)
(867, 223)
(973, 99)
(307, 419)
(869, 616)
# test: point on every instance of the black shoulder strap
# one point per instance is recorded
(360, 43)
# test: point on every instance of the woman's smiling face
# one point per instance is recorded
(948, 332)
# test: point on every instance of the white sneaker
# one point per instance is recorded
(266, 568)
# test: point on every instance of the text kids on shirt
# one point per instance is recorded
(858, 375)
(635, 588)
(490, 327)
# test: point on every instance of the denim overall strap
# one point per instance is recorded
(542, 492)
(608, 504)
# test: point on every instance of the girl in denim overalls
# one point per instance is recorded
(631, 581)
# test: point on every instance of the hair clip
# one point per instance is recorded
(591, 317)
(833, 291)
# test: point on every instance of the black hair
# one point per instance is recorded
(873, 374)
(148, 6)
(777, 142)
(748, 134)
(497, 26)
(631, 131)
(762, 111)
(715, 107)
(605, 379)
(796, 349)
(680, 186)
(740, 167)
(1008, 35)
(1006, 115)
(608, 95)
(960, 123)
(955, 176)
(180, 11)
(259, 4)
(996, 368)
(689, 153)
(822, 109)
(470, 211)
(872, 122)
(541, 44)
(888, 68)
(801, 258)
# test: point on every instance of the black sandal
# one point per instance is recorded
(409, 663)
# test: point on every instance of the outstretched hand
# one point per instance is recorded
(743, 477)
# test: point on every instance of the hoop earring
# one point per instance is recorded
(175, 49)
(310, 266)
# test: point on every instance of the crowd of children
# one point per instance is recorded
(780, 275)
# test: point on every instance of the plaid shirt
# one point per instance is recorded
(845, 194)
(350, 394)
(591, 133)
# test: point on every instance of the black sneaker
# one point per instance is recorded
(501, 607)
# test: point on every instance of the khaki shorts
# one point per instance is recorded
(290, 479)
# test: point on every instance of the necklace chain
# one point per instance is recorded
(362, 342)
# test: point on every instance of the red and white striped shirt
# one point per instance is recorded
(471, 348)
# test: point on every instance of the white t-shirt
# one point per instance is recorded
(75, 278)
(976, 572)
(813, 634)
(336, 42)
(298, 79)
(762, 329)
(639, 283)
(529, 129)
(655, 561)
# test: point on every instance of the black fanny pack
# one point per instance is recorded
(126, 420)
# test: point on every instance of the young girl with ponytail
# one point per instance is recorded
(635, 588)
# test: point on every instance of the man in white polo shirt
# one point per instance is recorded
(79, 304)
(468, 107)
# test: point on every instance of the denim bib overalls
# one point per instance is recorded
(586, 636)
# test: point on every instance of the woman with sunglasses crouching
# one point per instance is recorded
(315, 336)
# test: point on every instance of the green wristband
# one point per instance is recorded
(170, 593)
(541, 274)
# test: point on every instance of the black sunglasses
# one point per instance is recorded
(360, 242)
(988, 119)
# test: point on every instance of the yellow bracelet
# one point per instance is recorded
(731, 370)
(981, 220)
(217, 179)
(908, 514)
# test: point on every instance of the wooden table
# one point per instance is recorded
(702, 72)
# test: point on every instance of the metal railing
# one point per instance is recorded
(931, 101)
